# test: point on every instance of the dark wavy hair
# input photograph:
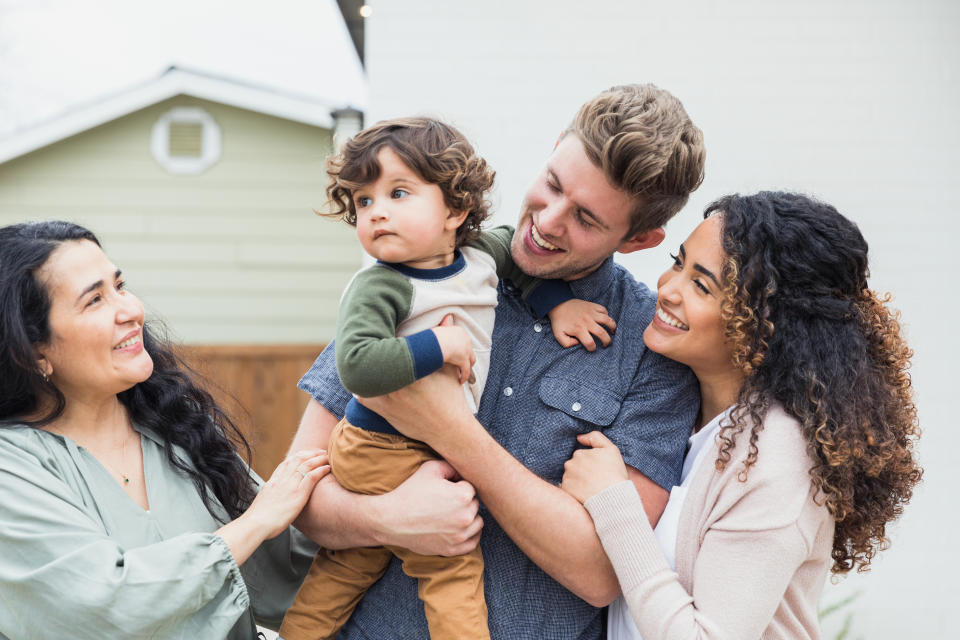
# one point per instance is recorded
(435, 151)
(809, 334)
(168, 402)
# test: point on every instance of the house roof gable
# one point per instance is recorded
(173, 82)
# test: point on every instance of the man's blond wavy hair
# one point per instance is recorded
(647, 146)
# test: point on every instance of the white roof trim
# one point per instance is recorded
(308, 110)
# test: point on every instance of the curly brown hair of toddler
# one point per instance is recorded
(437, 152)
(809, 334)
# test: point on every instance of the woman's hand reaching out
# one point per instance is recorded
(590, 471)
(279, 501)
(283, 496)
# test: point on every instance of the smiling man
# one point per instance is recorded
(625, 166)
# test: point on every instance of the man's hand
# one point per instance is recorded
(429, 410)
(431, 513)
(578, 321)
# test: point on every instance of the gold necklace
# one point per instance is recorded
(123, 458)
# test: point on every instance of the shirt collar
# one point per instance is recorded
(593, 286)
(150, 434)
(438, 273)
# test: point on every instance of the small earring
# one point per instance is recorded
(46, 378)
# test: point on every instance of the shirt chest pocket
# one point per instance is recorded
(589, 405)
(569, 407)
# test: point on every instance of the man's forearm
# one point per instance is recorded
(335, 518)
(548, 524)
(428, 513)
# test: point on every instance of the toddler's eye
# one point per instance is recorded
(396, 194)
(364, 201)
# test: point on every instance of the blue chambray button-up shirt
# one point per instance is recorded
(538, 397)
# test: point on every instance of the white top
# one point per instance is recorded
(620, 625)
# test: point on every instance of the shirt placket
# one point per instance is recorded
(517, 352)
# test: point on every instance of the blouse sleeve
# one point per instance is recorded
(740, 578)
(62, 576)
(275, 572)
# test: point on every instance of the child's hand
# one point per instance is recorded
(457, 347)
(578, 321)
(592, 470)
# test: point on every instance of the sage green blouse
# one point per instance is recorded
(80, 559)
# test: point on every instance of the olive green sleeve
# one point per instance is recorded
(541, 295)
(371, 360)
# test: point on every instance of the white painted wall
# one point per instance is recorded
(852, 101)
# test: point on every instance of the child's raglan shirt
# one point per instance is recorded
(384, 330)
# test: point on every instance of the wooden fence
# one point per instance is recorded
(257, 386)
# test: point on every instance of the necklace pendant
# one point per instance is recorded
(126, 480)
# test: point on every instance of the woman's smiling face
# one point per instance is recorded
(687, 326)
(96, 327)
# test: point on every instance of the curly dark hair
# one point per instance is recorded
(169, 402)
(436, 151)
(809, 334)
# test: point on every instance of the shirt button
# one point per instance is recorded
(576, 406)
(508, 391)
(538, 327)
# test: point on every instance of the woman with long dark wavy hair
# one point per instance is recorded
(125, 510)
(803, 451)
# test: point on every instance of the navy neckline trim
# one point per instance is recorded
(440, 273)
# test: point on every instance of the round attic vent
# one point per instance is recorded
(186, 140)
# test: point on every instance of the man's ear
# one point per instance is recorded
(454, 220)
(645, 240)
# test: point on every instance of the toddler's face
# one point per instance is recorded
(402, 219)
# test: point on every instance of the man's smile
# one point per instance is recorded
(539, 240)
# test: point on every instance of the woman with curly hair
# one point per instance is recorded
(803, 451)
(125, 511)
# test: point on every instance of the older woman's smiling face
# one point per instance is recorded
(95, 348)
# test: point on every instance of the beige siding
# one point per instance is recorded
(233, 255)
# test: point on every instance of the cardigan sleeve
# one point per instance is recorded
(740, 575)
(63, 576)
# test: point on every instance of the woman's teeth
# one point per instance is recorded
(670, 321)
(128, 343)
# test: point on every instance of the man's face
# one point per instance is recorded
(572, 219)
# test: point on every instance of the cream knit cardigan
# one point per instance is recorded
(751, 557)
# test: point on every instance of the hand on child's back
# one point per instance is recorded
(579, 322)
(457, 347)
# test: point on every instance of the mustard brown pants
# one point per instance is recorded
(451, 589)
